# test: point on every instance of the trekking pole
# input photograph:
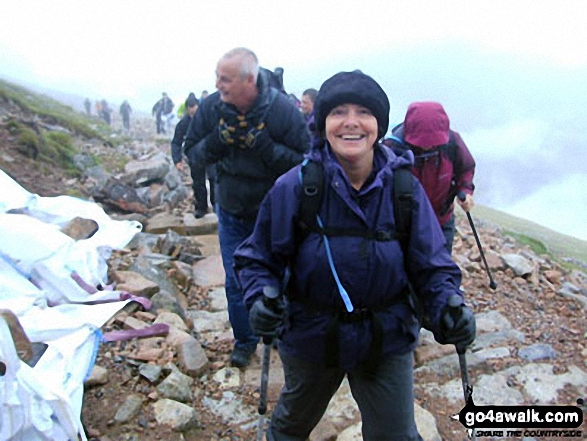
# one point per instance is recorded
(262, 408)
(271, 300)
(454, 304)
(462, 196)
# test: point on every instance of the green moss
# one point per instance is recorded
(13, 126)
(74, 192)
(51, 111)
(28, 142)
(59, 150)
(535, 245)
(27, 137)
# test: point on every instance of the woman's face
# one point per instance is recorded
(351, 130)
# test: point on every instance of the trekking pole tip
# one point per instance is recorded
(492, 285)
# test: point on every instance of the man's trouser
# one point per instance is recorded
(168, 119)
(159, 121)
(231, 232)
(385, 399)
(198, 174)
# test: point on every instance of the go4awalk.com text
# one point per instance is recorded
(540, 422)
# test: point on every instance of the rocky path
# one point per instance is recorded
(530, 347)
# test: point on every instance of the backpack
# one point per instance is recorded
(167, 106)
(448, 150)
(275, 78)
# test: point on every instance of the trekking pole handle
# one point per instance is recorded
(462, 195)
(455, 303)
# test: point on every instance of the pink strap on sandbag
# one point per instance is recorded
(156, 330)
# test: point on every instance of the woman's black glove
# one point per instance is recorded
(266, 316)
(457, 324)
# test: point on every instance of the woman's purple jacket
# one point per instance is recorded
(372, 272)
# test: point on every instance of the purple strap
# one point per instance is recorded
(143, 301)
(156, 330)
(83, 284)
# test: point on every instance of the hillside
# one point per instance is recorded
(567, 249)
(530, 329)
(18, 102)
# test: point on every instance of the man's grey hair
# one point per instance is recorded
(248, 61)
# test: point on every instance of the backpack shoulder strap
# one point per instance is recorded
(312, 180)
(402, 204)
(451, 148)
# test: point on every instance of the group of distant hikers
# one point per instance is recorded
(335, 238)
(103, 111)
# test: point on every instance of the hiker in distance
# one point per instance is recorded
(125, 111)
(253, 134)
(443, 163)
(347, 310)
(162, 111)
(198, 171)
(307, 107)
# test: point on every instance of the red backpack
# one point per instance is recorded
(435, 169)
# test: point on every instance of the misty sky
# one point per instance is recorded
(512, 75)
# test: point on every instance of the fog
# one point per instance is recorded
(511, 75)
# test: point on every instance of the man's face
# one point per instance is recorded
(192, 110)
(233, 89)
(307, 104)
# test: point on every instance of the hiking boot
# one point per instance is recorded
(199, 213)
(241, 357)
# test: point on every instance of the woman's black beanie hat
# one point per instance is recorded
(355, 88)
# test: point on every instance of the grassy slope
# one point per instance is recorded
(560, 245)
(53, 111)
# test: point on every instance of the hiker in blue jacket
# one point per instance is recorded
(370, 336)
(253, 134)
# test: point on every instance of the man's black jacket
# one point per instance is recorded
(244, 176)
(178, 138)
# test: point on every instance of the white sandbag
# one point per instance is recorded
(37, 265)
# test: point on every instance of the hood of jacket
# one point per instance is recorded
(426, 125)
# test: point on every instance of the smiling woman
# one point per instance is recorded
(348, 312)
(351, 130)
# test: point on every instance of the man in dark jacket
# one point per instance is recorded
(198, 171)
(125, 111)
(254, 134)
(162, 111)
(181, 129)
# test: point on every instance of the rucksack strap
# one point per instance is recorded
(312, 179)
(402, 205)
